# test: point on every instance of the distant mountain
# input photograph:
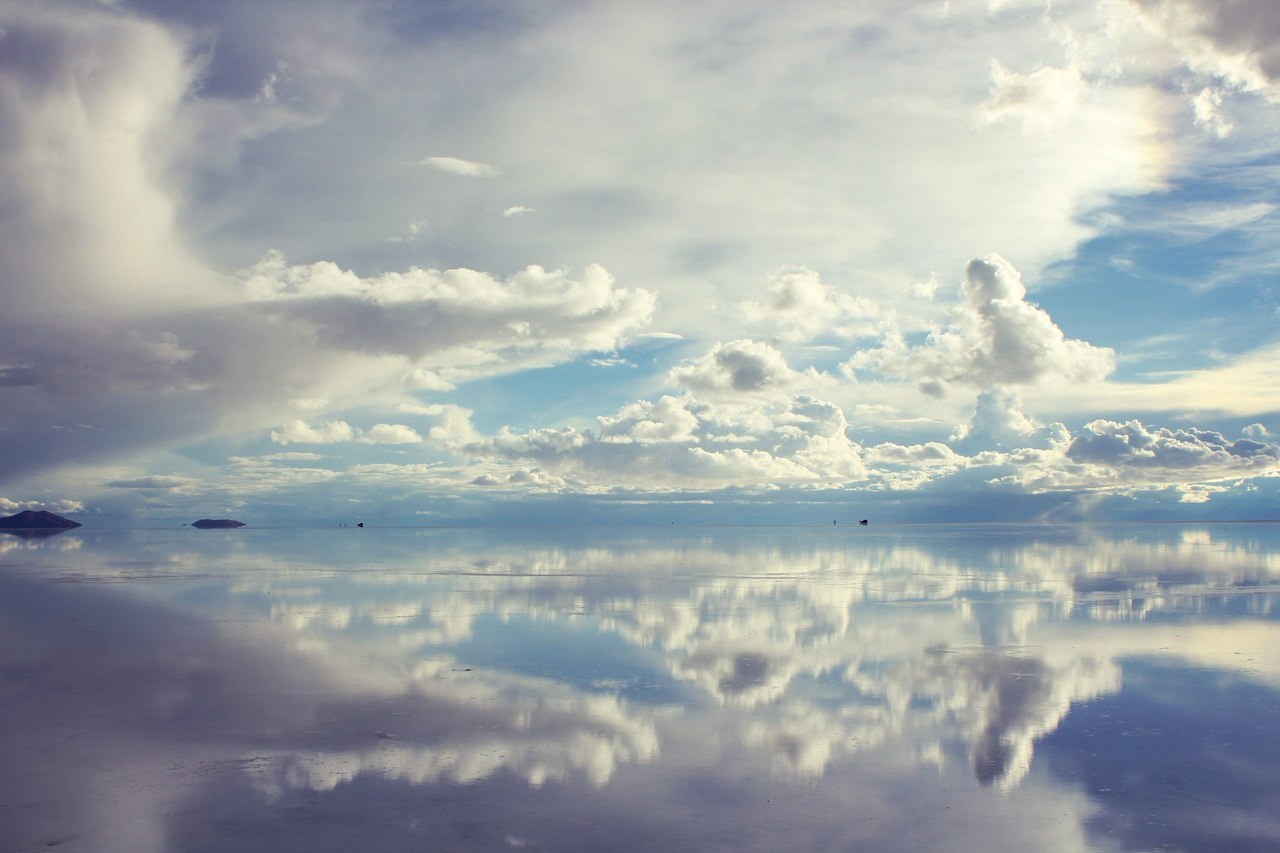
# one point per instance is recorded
(207, 523)
(37, 519)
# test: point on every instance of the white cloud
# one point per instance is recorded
(1042, 101)
(1244, 385)
(56, 506)
(520, 478)
(1208, 112)
(299, 432)
(390, 434)
(646, 423)
(996, 338)
(673, 445)
(741, 367)
(1133, 445)
(872, 170)
(458, 166)
(314, 337)
(462, 317)
(907, 467)
(455, 422)
(799, 306)
(857, 155)
(1113, 456)
(998, 422)
(85, 122)
(1194, 222)
(930, 454)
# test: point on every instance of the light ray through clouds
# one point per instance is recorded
(912, 258)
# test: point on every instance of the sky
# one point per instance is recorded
(723, 262)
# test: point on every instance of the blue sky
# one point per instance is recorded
(457, 262)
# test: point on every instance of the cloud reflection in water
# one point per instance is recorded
(314, 663)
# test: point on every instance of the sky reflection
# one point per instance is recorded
(900, 688)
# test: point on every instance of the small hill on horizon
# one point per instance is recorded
(37, 519)
(213, 523)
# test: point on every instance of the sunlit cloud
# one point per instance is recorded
(996, 338)
(458, 166)
(300, 261)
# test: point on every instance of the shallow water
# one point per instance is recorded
(904, 688)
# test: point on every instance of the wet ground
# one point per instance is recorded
(906, 688)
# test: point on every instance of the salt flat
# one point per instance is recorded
(889, 688)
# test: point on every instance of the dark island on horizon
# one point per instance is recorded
(37, 519)
(214, 523)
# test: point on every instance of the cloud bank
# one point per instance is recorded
(205, 256)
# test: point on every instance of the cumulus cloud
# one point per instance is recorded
(520, 478)
(995, 338)
(1207, 106)
(116, 336)
(800, 306)
(998, 422)
(455, 421)
(904, 467)
(299, 432)
(315, 335)
(390, 434)
(463, 317)
(739, 367)
(681, 443)
(647, 423)
(1132, 444)
(58, 506)
(1112, 456)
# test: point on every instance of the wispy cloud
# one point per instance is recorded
(458, 166)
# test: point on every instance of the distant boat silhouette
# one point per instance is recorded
(864, 522)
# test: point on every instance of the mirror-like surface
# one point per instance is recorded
(987, 688)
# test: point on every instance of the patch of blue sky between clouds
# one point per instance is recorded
(1179, 279)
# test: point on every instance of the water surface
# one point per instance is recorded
(905, 688)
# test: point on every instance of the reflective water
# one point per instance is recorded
(909, 688)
